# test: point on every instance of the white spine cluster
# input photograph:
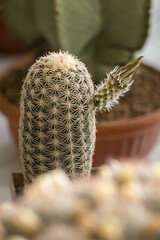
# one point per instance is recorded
(57, 122)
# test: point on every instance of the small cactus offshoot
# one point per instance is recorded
(58, 105)
(115, 85)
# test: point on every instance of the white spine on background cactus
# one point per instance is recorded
(57, 122)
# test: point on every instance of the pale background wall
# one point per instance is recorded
(9, 159)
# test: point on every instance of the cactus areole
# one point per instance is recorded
(58, 105)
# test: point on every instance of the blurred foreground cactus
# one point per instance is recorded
(121, 202)
(101, 32)
(58, 105)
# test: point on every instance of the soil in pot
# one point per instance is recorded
(143, 97)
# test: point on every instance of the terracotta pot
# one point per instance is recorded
(131, 139)
(8, 43)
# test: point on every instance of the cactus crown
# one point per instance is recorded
(58, 104)
(101, 33)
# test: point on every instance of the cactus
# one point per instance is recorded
(102, 33)
(58, 105)
(121, 201)
(75, 23)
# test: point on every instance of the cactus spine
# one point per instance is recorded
(58, 105)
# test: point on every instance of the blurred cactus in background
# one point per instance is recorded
(121, 202)
(101, 32)
(58, 104)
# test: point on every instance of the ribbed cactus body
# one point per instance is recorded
(57, 123)
(58, 104)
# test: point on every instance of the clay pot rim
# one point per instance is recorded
(145, 118)
(121, 129)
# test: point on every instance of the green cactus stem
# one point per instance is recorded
(102, 34)
(58, 105)
(68, 25)
(114, 28)
(57, 125)
(125, 28)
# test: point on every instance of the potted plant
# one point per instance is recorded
(107, 36)
(58, 104)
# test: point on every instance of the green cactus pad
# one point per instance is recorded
(110, 56)
(125, 26)
(68, 24)
(19, 16)
(46, 22)
(78, 22)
